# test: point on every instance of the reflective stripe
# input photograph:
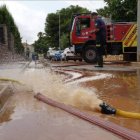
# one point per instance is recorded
(98, 45)
(131, 36)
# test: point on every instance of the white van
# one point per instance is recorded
(69, 55)
(50, 53)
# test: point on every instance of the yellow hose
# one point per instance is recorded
(11, 80)
(128, 114)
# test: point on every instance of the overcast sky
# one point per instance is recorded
(30, 15)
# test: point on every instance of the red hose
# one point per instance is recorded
(114, 128)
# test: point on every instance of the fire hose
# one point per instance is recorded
(10, 80)
(114, 128)
(107, 109)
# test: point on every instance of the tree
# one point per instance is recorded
(6, 18)
(120, 10)
(52, 24)
(40, 35)
(51, 36)
(52, 28)
(64, 41)
(41, 45)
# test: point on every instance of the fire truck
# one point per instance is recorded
(121, 38)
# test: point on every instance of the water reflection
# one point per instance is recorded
(5, 116)
(122, 91)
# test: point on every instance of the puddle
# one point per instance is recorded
(27, 118)
(41, 121)
(120, 89)
(53, 86)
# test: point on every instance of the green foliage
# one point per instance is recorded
(52, 28)
(41, 45)
(6, 18)
(64, 41)
(120, 10)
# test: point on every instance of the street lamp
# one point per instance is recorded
(59, 33)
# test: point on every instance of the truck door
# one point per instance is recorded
(83, 26)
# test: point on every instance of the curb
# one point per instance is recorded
(5, 93)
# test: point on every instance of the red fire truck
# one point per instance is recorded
(121, 38)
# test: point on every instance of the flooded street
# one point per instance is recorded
(69, 70)
(122, 92)
(81, 86)
(120, 88)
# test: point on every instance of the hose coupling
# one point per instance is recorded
(107, 109)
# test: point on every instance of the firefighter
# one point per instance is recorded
(100, 32)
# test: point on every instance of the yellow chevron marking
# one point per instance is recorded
(128, 32)
(130, 37)
(134, 41)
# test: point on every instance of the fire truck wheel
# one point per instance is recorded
(90, 54)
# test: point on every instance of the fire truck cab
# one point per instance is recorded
(121, 38)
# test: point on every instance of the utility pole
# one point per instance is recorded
(138, 26)
(59, 33)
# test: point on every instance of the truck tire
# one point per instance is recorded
(90, 54)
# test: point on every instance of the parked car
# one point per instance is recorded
(69, 55)
(57, 56)
(63, 57)
(50, 53)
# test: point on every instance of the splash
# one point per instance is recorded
(52, 85)
(85, 99)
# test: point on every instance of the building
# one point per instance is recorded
(28, 50)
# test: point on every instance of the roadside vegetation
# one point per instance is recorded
(50, 37)
(7, 19)
(120, 10)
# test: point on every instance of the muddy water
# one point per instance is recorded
(39, 79)
(119, 89)
(26, 118)
(122, 91)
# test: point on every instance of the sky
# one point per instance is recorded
(30, 15)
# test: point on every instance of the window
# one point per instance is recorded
(81, 24)
(85, 23)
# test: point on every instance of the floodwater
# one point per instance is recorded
(117, 85)
(121, 91)
(27, 118)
